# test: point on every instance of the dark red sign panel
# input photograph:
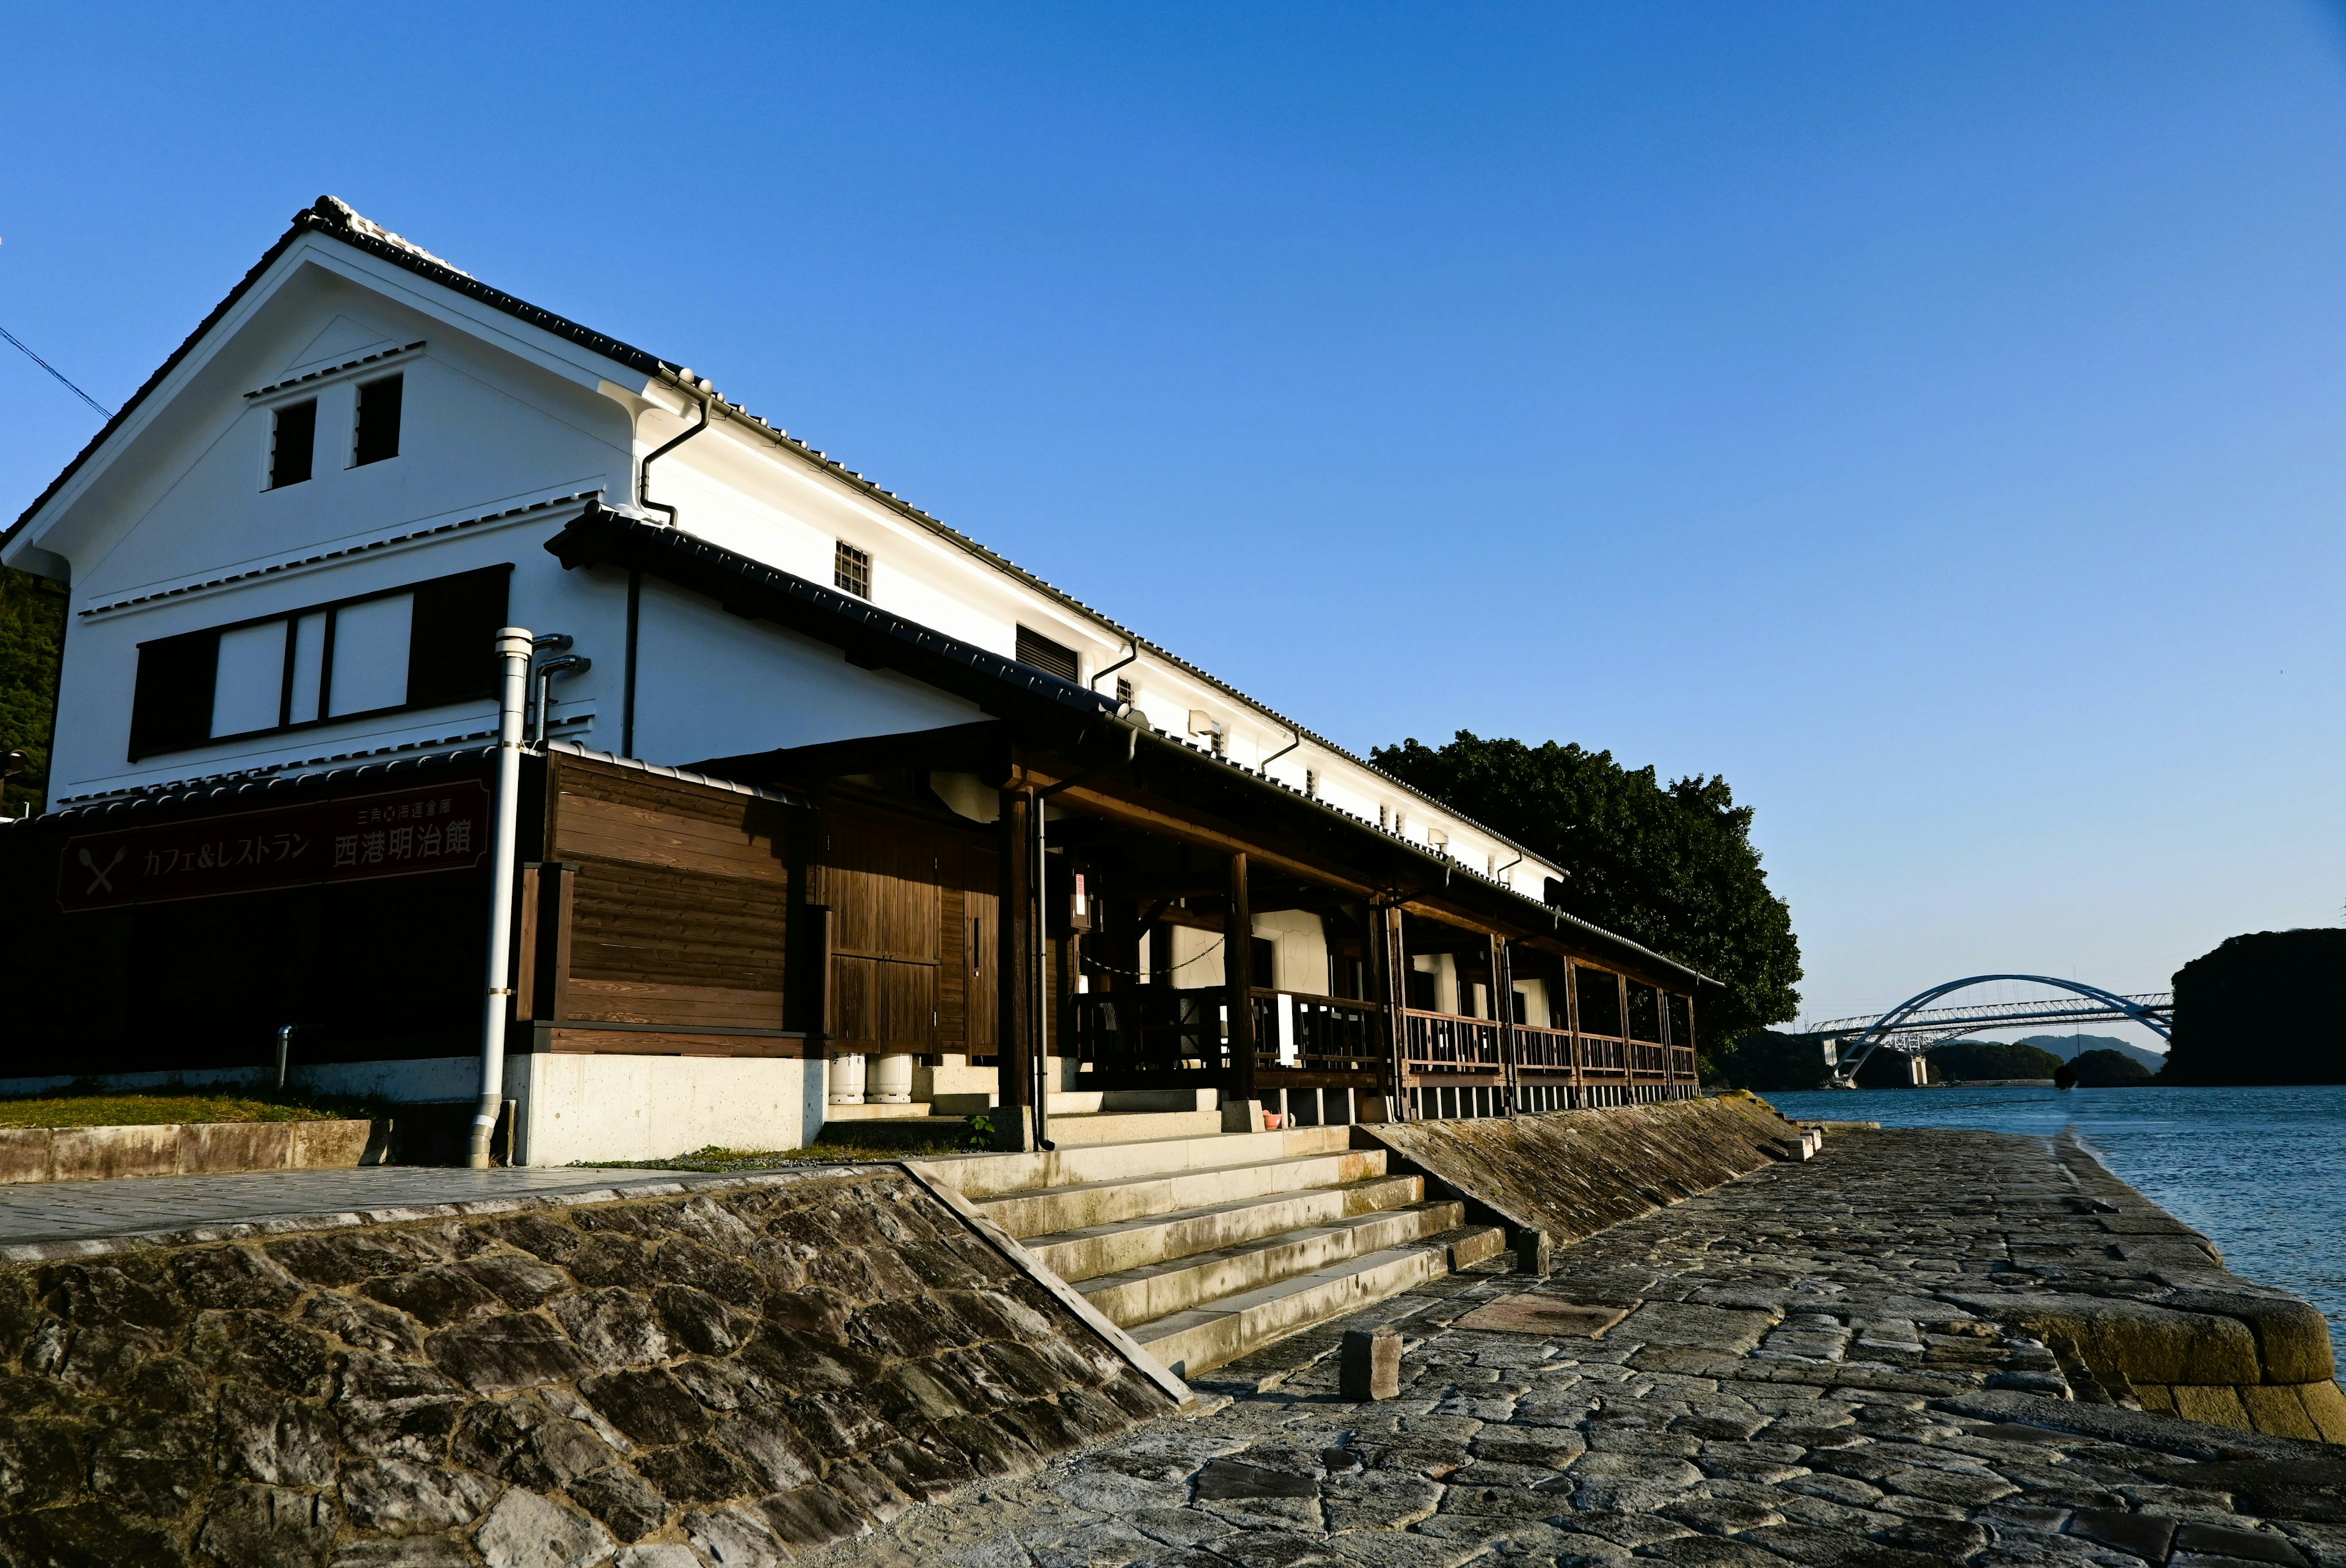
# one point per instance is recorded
(408, 833)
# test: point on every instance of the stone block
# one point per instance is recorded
(499, 1354)
(102, 1153)
(220, 1146)
(1534, 1253)
(2325, 1405)
(25, 1155)
(270, 1527)
(399, 1497)
(2143, 1342)
(527, 1531)
(2217, 1405)
(1370, 1363)
(334, 1145)
(2277, 1410)
(1724, 1330)
(2293, 1337)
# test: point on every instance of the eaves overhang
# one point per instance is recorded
(1040, 707)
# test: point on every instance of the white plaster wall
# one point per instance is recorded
(588, 1107)
(1535, 1003)
(710, 684)
(1299, 943)
(1197, 958)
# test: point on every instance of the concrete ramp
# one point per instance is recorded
(1570, 1174)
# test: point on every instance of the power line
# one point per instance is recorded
(53, 369)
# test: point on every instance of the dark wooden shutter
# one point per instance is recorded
(449, 652)
(171, 707)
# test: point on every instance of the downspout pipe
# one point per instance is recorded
(512, 652)
(644, 469)
(1101, 674)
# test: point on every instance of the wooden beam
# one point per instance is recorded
(1013, 969)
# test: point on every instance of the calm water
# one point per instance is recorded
(2262, 1172)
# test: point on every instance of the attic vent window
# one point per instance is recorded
(1312, 782)
(377, 436)
(850, 569)
(294, 439)
(1043, 654)
(1124, 692)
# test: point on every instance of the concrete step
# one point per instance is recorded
(1085, 1129)
(1214, 1279)
(873, 1110)
(1081, 1101)
(978, 1176)
(1202, 1337)
(1049, 1211)
(1076, 1254)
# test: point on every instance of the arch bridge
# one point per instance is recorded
(1914, 1026)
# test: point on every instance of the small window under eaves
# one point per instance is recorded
(850, 569)
(292, 442)
(1045, 655)
(377, 436)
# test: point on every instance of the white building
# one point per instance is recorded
(286, 556)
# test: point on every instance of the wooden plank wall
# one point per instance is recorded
(680, 904)
(904, 890)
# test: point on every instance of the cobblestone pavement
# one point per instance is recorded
(1790, 1384)
(82, 1210)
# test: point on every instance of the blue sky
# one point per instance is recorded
(1927, 417)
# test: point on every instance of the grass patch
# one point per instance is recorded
(93, 1106)
(847, 1142)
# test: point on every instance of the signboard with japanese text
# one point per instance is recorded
(411, 833)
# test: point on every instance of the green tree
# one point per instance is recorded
(1967, 1061)
(32, 636)
(1669, 865)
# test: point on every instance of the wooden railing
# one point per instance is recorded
(1155, 1033)
(1151, 1031)
(1547, 1053)
(1602, 1057)
(1442, 1043)
(1331, 1033)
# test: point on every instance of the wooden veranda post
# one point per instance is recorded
(1503, 1008)
(1014, 977)
(1237, 981)
(1393, 968)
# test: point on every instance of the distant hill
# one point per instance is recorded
(2069, 1046)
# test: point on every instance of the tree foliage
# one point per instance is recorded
(1968, 1060)
(32, 636)
(2259, 1010)
(2107, 1070)
(1767, 1061)
(1671, 865)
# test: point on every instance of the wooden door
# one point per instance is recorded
(880, 876)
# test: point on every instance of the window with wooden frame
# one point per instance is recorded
(1040, 651)
(422, 646)
(850, 569)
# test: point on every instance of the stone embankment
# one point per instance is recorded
(721, 1376)
(1569, 1176)
(1824, 1362)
